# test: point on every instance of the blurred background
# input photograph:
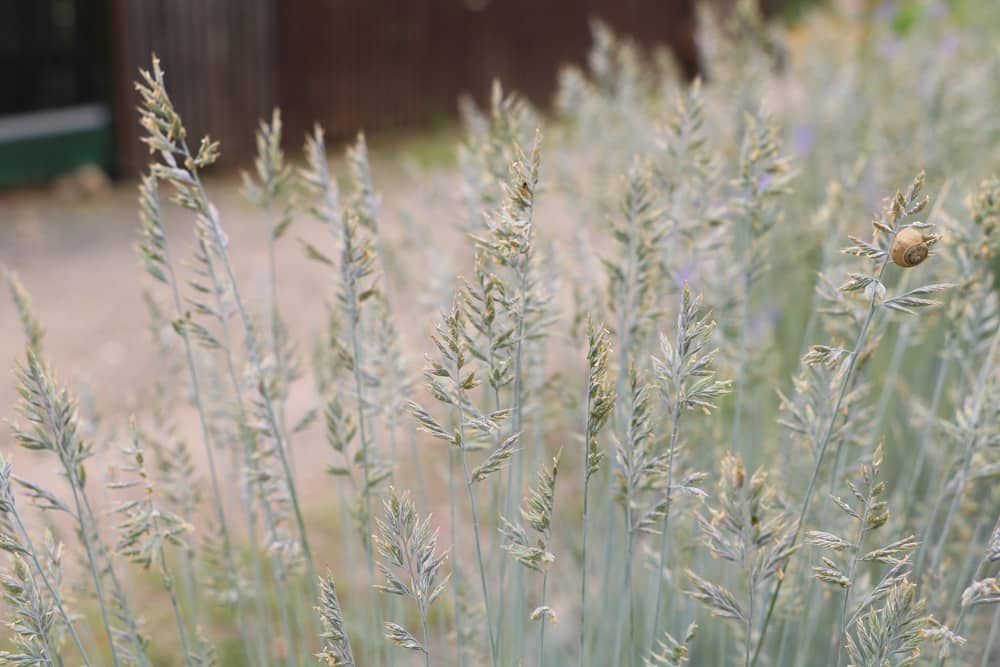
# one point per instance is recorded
(385, 65)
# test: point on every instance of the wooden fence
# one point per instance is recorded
(353, 64)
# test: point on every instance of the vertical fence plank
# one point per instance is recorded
(353, 64)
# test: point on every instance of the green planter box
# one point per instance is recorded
(36, 147)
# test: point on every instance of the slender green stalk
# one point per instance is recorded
(206, 438)
(219, 243)
(513, 488)
(583, 574)
(991, 639)
(472, 506)
(599, 405)
(970, 447)
(888, 387)
(675, 418)
(421, 606)
(423, 625)
(627, 313)
(749, 631)
(542, 621)
(851, 572)
(56, 597)
(54, 415)
(354, 317)
(129, 618)
(178, 617)
(737, 440)
(824, 445)
(456, 566)
(167, 137)
(280, 445)
(984, 562)
(277, 566)
(85, 533)
(629, 592)
(932, 412)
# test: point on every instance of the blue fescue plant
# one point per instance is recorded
(770, 452)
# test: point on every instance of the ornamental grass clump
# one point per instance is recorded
(768, 452)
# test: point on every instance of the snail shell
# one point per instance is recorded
(909, 248)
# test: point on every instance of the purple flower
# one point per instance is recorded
(803, 140)
(888, 48)
(937, 10)
(686, 274)
(886, 10)
(948, 45)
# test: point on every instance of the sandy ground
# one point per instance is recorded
(75, 256)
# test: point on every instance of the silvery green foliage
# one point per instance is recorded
(487, 310)
(449, 379)
(642, 469)
(987, 590)
(866, 294)
(739, 49)
(808, 412)
(468, 635)
(604, 106)
(32, 619)
(634, 275)
(510, 232)
(670, 652)
(886, 226)
(704, 198)
(686, 380)
(601, 395)
(870, 513)
(983, 591)
(537, 513)
(490, 148)
(265, 457)
(687, 168)
(409, 563)
(33, 331)
(893, 632)
(31, 588)
(764, 174)
(270, 188)
(685, 368)
(336, 651)
(388, 372)
(358, 276)
(600, 405)
(203, 652)
(750, 528)
(272, 177)
(51, 415)
(362, 199)
(145, 530)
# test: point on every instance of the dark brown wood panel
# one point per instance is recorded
(384, 63)
(353, 64)
(218, 56)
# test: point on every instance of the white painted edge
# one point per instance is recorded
(36, 124)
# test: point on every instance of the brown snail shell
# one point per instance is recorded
(909, 248)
